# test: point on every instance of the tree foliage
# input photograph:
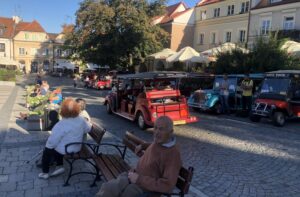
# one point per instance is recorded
(117, 32)
(266, 55)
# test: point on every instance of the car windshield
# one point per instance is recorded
(161, 84)
(275, 85)
(231, 81)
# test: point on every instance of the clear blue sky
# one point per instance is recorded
(50, 13)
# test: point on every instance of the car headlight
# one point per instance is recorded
(154, 115)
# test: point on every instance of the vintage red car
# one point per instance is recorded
(144, 97)
(279, 97)
(103, 83)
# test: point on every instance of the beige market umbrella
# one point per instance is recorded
(163, 54)
(292, 48)
(228, 46)
(184, 55)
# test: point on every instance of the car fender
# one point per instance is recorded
(144, 111)
(212, 101)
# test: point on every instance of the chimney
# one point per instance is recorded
(17, 19)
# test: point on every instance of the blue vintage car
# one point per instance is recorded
(208, 99)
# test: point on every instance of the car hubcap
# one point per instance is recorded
(141, 121)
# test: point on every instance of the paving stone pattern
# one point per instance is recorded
(17, 176)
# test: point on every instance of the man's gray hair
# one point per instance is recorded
(168, 121)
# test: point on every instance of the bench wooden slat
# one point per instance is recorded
(104, 169)
(136, 140)
(123, 165)
(97, 133)
(117, 163)
(115, 172)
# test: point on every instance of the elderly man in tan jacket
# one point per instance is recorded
(156, 171)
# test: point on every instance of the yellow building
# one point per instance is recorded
(221, 21)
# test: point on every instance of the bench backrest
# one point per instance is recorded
(97, 133)
(185, 175)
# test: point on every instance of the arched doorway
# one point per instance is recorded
(34, 66)
(46, 65)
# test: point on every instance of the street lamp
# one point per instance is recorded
(52, 42)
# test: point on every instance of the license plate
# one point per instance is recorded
(177, 122)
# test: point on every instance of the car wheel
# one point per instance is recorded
(218, 108)
(141, 121)
(108, 108)
(255, 118)
(279, 119)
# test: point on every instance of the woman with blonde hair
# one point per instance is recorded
(71, 128)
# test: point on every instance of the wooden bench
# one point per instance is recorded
(112, 165)
(87, 153)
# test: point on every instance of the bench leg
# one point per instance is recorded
(70, 172)
(97, 174)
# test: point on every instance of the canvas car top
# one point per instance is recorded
(155, 75)
(284, 73)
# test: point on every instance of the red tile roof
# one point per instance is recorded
(7, 25)
(207, 2)
(267, 3)
(34, 26)
(52, 36)
(171, 14)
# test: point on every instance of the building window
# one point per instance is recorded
(216, 12)
(242, 38)
(230, 10)
(275, 1)
(201, 39)
(1, 31)
(245, 7)
(21, 51)
(26, 36)
(213, 38)
(2, 47)
(58, 52)
(228, 36)
(265, 26)
(203, 15)
(288, 22)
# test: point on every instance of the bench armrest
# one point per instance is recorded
(92, 146)
(119, 147)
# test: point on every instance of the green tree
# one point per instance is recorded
(117, 31)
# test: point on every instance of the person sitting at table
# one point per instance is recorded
(71, 128)
(156, 171)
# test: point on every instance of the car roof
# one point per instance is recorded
(200, 75)
(252, 75)
(285, 72)
(155, 75)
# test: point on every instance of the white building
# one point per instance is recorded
(274, 15)
(6, 45)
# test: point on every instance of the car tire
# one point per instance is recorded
(141, 121)
(279, 119)
(108, 108)
(255, 118)
(218, 108)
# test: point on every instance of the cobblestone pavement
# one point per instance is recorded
(231, 156)
(18, 177)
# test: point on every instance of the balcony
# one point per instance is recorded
(292, 34)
